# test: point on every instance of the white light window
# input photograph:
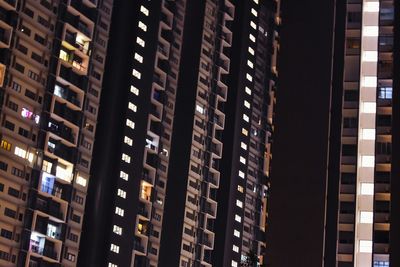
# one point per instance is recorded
(134, 90)
(199, 109)
(123, 175)
(366, 217)
(81, 181)
(369, 81)
(365, 246)
(121, 193)
(369, 107)
(234, 263)
(247, 104)
(252, 38)
(255, 1)
(371, 7)
(241, 174)
(236, 233)
(126, 158)
(245, 132)
(138, 57)
(238, 218)
(144, 10)
(132, 106)
(367, 189)
(254, 12)
(112, 265)
(140, 41)
(114, 248)
(249, 77)
(370, 31)
(235, 248)
(239, 203)
(243, 145)
(128, 141)
(117, 230)
(130, 124)
(250, 64)
(242, 160)
(367, 161)
(142, 26)
(368, 134)
(253, 25)
(246, 118)
(370, 56)
(20, 152)
(251, 50)
(119, 211)
(136, 74)
(248, 90)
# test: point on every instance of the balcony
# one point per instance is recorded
(77, 23)
(78, 63)
(60, 150)
(77, 41)
(80, 81)
(49, 228)
(61, 130)
(88, 12)
(64, 112)
(65, 93)
(41, 246)
(48, 206)
(56, 189)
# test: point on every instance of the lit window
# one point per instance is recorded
(367, 189)
(132, 106)
(114, 248)
(235, 248)
(248, 90)
(138, 57)
(254, 12)
(136, 74)
(245, 132)
(123, 175)
(367, 161)
(249, 77)
(243, 145)
(250, 64)
(130, 124)
(246, 104)
(370, 31)
(246, 118)
(369, 81)
(371, 7)
(240, 189)
(140, 41)
(253, 25)
(252, 38)
(121, 193)
(366, 217)
(144, 10)
(242, 160)
(239, 203)
(368, 134)
(370, 56)
(134, 90)
(117, 230)
(251, 50)
(142, 26)
(23, 154)
(369, 107)
(199, 109)
(126, 158)
(119, 211)
(112, 265)
(365, 246)
(241, 174)
(255, 1)
(234, 263)
(128, 141)
(238, 218)
(236, 233)
(385, 92)
(81, 181)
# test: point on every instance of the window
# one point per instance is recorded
(138, 57)
(370, 56)
(250, 64)
(249, 77)
(254, 12)
(117, 230)
(366, 217)
(368, 134)
(199, 109)
(247, 104)
(12, 106)
(251, 50)
(248, 90)
(239, 203)
(114, 248)
(119, 211)
(369, 107)
(370, 31)
(234, 263)
(3, 166)
(371, 7)
(121, 193)
(144, 10)
(132, 106)
(246, 118)
(252, 38)
(385, 92)
(365, 246)
(81, 181)
(253, 25)
(367, 161)
(245, 132)
(126, 158)
(130, 124)
(238, 218)
(241, 174)
(142, 26)
(236, 233)
(243, 145)
(9, 125)
(240, 189)
(242, 160)
(134, 90)
(123, 175)
(16, 87)
(6, 234)
(140, 41)
(367, 189)
(128, 141)
(235, 248)
(136, 74)
(112, 265)
(70, 257)
(5, 145)
(369, 81)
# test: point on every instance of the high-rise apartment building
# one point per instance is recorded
(52, 56)
(357, 182)
(175, 77)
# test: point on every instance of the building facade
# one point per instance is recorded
(52, 63)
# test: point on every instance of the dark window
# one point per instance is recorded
(350, 95)
(73, 237)
(15, 86)
(40, 39)
(76, 218)
(1, 187)
(19, 67)
(36, 57)
(6, 234)
(12, 105)
(9, 125)
(13, 192)
(3, 166)
(17, 172)
(26, 30)
(23, 132)
(349, 150)
(10, 213)
(28, 12)
(30, 94)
